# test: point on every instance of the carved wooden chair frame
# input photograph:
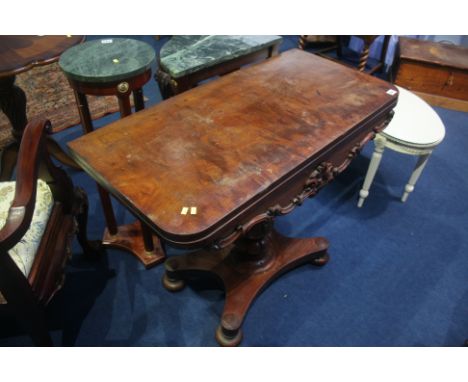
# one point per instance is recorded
(26, 296)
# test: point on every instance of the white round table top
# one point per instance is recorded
(414, 122)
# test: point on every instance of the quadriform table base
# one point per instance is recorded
(245, 269)
(250, 258)
(131, 238)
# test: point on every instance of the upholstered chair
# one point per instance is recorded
(40, 212)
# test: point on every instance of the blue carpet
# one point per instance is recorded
(397, 274)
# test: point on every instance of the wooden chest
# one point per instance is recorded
(437, 72)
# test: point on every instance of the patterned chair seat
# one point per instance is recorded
(24, 252)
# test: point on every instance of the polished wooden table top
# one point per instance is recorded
(228, 144)
(21, 53)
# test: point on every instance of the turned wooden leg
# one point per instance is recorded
(420, 164)
(9, 156)
(124, 105)
(245, 269)
(302, 42)
(83, 111)
(109, 215)
(138, 99)
(13, 104)
(90, 248)
(21, 299)
(339, 46)
(167, 85)
(34, 321)
(371, 171)
(363, 58)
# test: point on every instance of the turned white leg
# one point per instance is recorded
(379, 142)
(422, 160)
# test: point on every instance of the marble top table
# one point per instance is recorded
(183, 55)
(107, 60)
(184, 61)
(114, 67)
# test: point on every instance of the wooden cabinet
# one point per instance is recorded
(437, 72)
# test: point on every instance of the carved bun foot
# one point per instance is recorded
(321, 260)
(172, 284)
(228, 337)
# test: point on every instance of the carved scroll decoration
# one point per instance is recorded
(323, 174)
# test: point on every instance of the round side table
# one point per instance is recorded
(118, 67)
(415, 129)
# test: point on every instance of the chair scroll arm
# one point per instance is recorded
(19, 217)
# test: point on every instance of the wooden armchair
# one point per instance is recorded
(39, 213)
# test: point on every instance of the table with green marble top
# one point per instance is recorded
(117, 67)
(107, 60)
(184, 61)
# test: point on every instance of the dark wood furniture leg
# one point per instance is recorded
(8, 160)
(302, 42)
(364, 57)
(90, 248)
(135, 237)
(29, 312)
(167, 85)
(245, 269)
(124, 105)
(138, 99)
(83, 111)
(13, 104)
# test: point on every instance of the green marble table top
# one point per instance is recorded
(107, 60)
(183, 55)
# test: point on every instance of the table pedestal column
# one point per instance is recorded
(245, 269)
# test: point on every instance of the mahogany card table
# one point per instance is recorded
(212, 167)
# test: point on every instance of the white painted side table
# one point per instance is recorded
(415, 129)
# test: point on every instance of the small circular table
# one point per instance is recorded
(415, 129)
(113, 66)
(118, 67)
(19, 54)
